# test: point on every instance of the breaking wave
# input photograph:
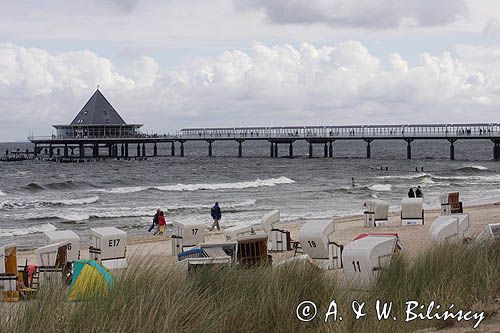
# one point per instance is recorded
(26, 231)
(204, 186)
(110, 213)
(58, 186)
(380, 187)
(48, 203)
(473, 168)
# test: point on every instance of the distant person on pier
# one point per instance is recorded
(419, 193)
(216, 214)
(162, 222)
(411, 194)
(155, 221)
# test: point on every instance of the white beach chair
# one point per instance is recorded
(367, 255)
(109, 247)
(450, 228)
(186, 235)
(377, 213)
(237, 231)
(412, 212)
(316, 240)
(278, 239)
(70, 236)
(490, 233)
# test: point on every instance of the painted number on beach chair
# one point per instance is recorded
(312, 243)
(69, 247)
(195, 231)
(354, 264)
(113, 242)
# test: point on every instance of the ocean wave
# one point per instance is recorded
(1, 193)
(407, 176)
(473, 168)
(58, 186)
(26, 231)
(40, 203)
(203, 186)
(380, 187)
(71, 202)
(113, 212)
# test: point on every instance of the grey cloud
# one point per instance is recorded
(380, 14)
(492, 28)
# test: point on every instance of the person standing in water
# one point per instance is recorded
(353, 183)
(411, 194)
(216, 214)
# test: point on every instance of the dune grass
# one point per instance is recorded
(152, 298)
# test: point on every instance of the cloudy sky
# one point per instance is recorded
(174, 63)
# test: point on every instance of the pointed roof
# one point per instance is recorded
(98, 111)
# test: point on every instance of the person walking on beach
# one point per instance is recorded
(418, 192)
(216, 216)
(411, 194)
(162, 222)
(155, 220)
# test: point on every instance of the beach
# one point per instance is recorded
(415, 239)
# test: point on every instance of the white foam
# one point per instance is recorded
(26, 231)
(408, 176)
(79, 201)
(1, 193)
(204, 186)
(478, 167)
(73, 216)
(381, 187)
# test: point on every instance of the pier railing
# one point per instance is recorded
(346, 132)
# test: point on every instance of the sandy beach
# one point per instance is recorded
(415, 239)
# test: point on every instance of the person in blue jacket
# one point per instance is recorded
(216, 216)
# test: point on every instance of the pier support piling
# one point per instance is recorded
(496, 150)
(275, 149)
(272, 149)
(155, 150)
(66, 150)
(82, 150)
(240, 148)
(310, 150)
(290, 149)
(138, 152)
(96, 150)
(51, 151)
(35, 151)
(330, 149)
(172, 152)
(110, 150)
(143, 150)
(368, 148)
(182, 148)
(326, 149)
(452, 148)
(408, 148)
(210, 148)
(122, 150)
(126, 150)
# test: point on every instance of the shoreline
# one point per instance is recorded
(414, 238)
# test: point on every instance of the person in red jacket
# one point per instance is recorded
(161, 223)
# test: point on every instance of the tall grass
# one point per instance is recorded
(157, 298)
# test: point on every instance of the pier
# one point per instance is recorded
(98, 131)
(321, 139)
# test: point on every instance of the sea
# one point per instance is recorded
(38, 196)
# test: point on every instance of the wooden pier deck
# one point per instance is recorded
(313, 135)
